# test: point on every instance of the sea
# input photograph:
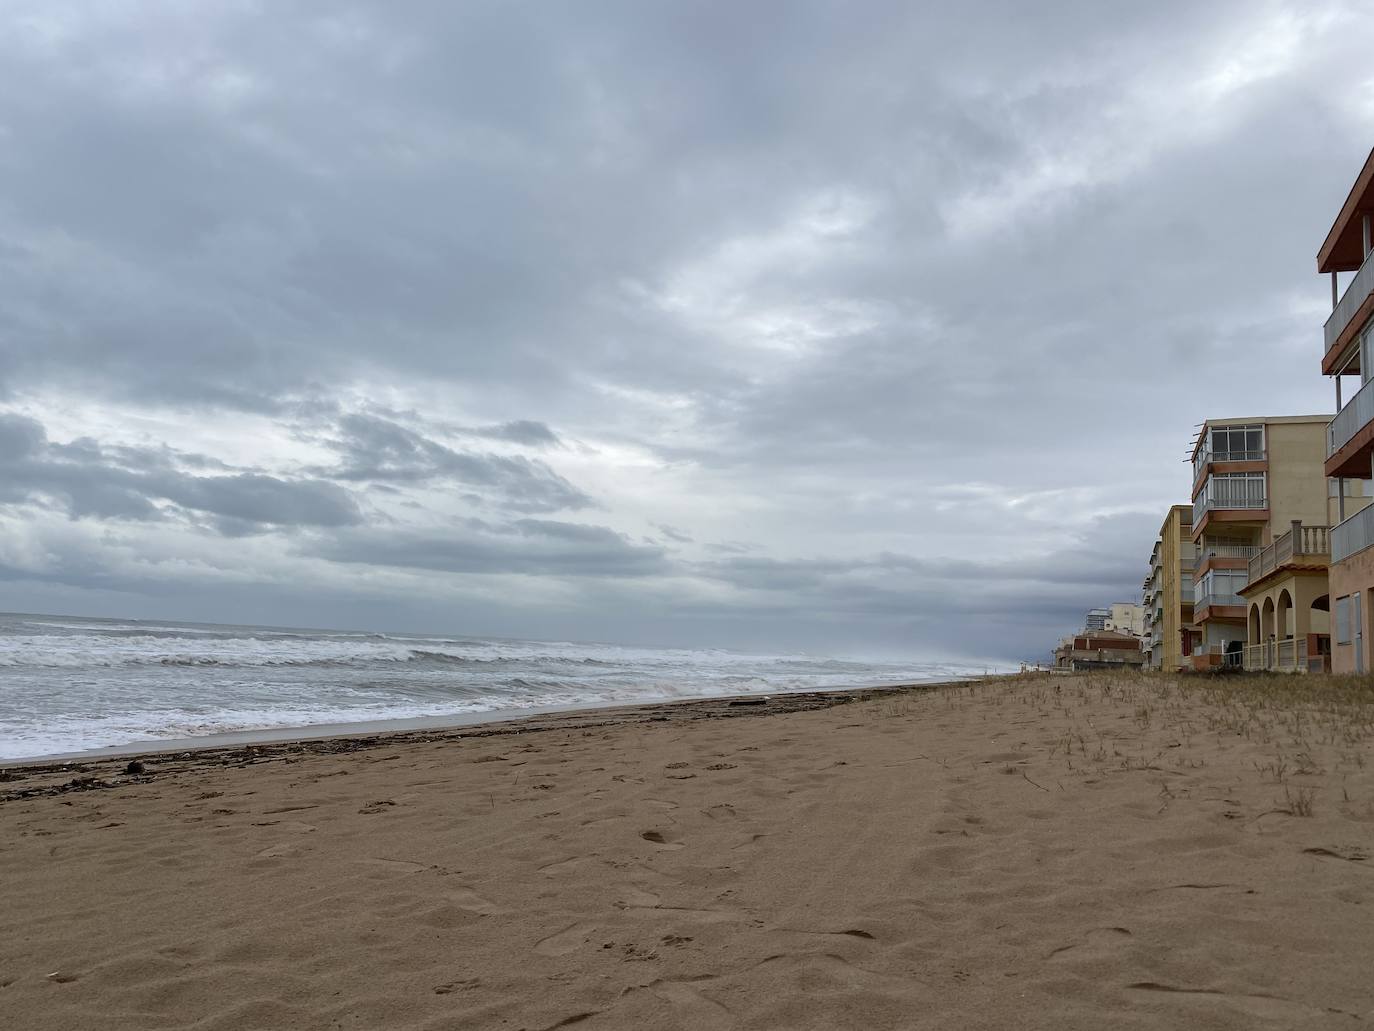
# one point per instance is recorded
(71, 684)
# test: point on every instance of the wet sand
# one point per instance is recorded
(1125, 851)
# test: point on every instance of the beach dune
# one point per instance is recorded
(1029, 852)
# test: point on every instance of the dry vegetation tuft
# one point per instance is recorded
(1306, 735)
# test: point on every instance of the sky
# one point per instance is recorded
(863, 329)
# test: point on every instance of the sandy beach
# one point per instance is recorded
(1046, 852)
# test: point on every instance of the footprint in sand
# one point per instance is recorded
(667, 841)
(465, 898)
(1099, 937)
(639, 898)
(395, 865)
(698, 1010)
(565, 941)
(281, 850)
(564, 866)
(1257, 1004)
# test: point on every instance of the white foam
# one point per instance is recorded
(67, 686)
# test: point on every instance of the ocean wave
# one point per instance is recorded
(73, 684)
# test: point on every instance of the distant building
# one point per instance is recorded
(1099, 649)
(1126, 618)
(1149, 593)
(1097, 619)
(1169, 608)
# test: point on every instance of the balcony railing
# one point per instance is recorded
(1355, 416)
(1212, 600)
(1231, 658)
(1206, 551)
(1355, 293)
(1353, 535)
(1237, 500)
(1185, 594)
(1287, 656)
(1206, 455)
(1311, 543)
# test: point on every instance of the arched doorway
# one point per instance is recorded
(1267, 620)
(1253, 634)
(1283, 615)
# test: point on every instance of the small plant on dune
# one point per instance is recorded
(1299, 801)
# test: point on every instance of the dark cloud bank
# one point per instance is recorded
(875, 328)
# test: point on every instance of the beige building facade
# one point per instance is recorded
(1127, 618)
(1172, 616)
(1288, 627)
(1253, 480)
(1348, 357)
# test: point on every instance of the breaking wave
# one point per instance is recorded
(69, 684)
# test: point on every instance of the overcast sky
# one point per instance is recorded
(863, 328)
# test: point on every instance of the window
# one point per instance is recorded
(1235, 490)
(1224, 583)
(1343, 620)
(1236, 443)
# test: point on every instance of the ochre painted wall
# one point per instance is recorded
(1176, 555)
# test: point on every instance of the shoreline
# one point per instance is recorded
(242, 747)
(309, 731)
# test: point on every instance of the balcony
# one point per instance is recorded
(1304, 544)
(1207, 551)
(1207, 456)
(1357, 293)
(1210, 601)
(1353, 535)
(1228, 501)
(1355, 416)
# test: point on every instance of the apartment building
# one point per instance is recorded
(1127, 618)
(1348, 355)
(1096, 619)
(1255, 480)
(1171, 602)
(1151, 592)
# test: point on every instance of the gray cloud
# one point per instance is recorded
(529, 432)
(528, 547)
(88, 481)
(378, 450)
(892, 323)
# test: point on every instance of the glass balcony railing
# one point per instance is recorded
(1353, 535)
(1355, 416)
(1358, 289)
